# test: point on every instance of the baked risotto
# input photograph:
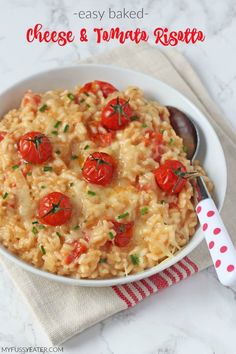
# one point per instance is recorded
(94, 182)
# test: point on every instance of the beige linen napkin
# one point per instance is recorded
(66, 310)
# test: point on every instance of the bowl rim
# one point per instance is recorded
(133, 277)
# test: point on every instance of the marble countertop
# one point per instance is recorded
(197, 315)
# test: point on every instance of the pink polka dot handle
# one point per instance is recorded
(218, 240)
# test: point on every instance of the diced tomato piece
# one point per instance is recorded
(26, 169)
(100, 135)
(107, 246)
(2, 135)
(143, 187)
(123, 233)
(156, 139)
(78, 249)
(173, 206)
(86, 236)
(31, 98)
(151, 136)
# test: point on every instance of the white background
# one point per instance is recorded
(197, 316)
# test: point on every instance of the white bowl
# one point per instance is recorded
(210, 148)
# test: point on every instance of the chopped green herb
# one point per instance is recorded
(185, 148)
(15, 167)
(86, 94)
(82, 101)
(162, 131)
(58, 234)
(134, 259)
(43, 187)
(88, 105)
(34, 230)
(71, 96)
(42, 249)
(35, 222)
(102, 260)
(171, 141)
(66, 127)
(57, 124)
(91, 193)
(47, 168)
(43, 108)
(74, 157)
(41, 227)
(111, 235)
(144, 210)
(133, 118)
(144, 125)
(71, 184)
(29, 174)
(76, 227)
(58, 152)
(162, 202)
(86, 147)
(5, 195)
(122, 216)
(54, 132)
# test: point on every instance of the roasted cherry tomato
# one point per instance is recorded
(2, 135)
(98, 168)
(171, 177)
(116, 114)
(35, 147)
(123, 233)
(105, 87)
(100, 135)
(54, 209)
(78, 249)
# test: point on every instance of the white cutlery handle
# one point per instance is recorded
(218, 240)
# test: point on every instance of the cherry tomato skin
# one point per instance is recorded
(2, 135)
(99, 135)
(105, 87)
(35, 147)
(123, 233)
(79, 248)
(116, 114)
(167, 176)
(99, 168)
(54, 209)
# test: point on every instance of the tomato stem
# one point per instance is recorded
(37, 140)
(182, 175)
(119, 108)
(100, 162)
(55, 208)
